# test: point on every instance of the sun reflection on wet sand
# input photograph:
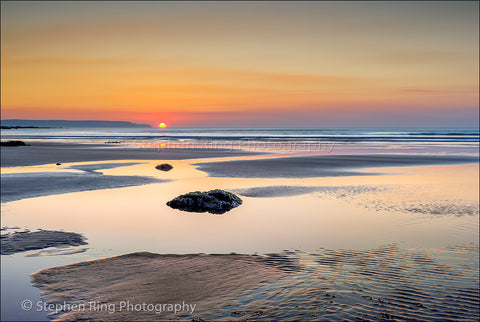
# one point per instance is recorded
(319, 218)
(354, 214)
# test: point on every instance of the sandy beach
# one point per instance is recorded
(16, 186)
(20, 186)
(316, 266)
(21, 241)
(204, 282)
(332, 285)
(323, 165)
(47, 152)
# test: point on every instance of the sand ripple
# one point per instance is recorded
(397, 198)
(386, 283)
(414, 199)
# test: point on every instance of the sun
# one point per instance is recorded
(162, 125)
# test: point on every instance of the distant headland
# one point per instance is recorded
(18, 123)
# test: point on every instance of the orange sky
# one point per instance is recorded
(242, 63)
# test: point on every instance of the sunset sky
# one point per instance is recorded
(242, 64)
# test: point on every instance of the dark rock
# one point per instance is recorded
(164, 167)
(214, 201)
(58, 163)
(13, 143)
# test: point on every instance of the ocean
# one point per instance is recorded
(419, 140)
(353, 135)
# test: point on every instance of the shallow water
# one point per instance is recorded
(369, 223)
(383, 283)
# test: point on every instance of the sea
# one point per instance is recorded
(404, 134)
(464, 140)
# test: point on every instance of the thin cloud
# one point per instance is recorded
(438, 91)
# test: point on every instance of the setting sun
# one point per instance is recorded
(162, 125)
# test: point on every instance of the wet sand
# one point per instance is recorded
(324, 165)
(383, 283)
(204, 282)
(280, 191)
(17, 186)
(44, 153)
(386, 198)
(25, 240)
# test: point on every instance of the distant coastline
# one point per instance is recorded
(19, 123)
(4, 127)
